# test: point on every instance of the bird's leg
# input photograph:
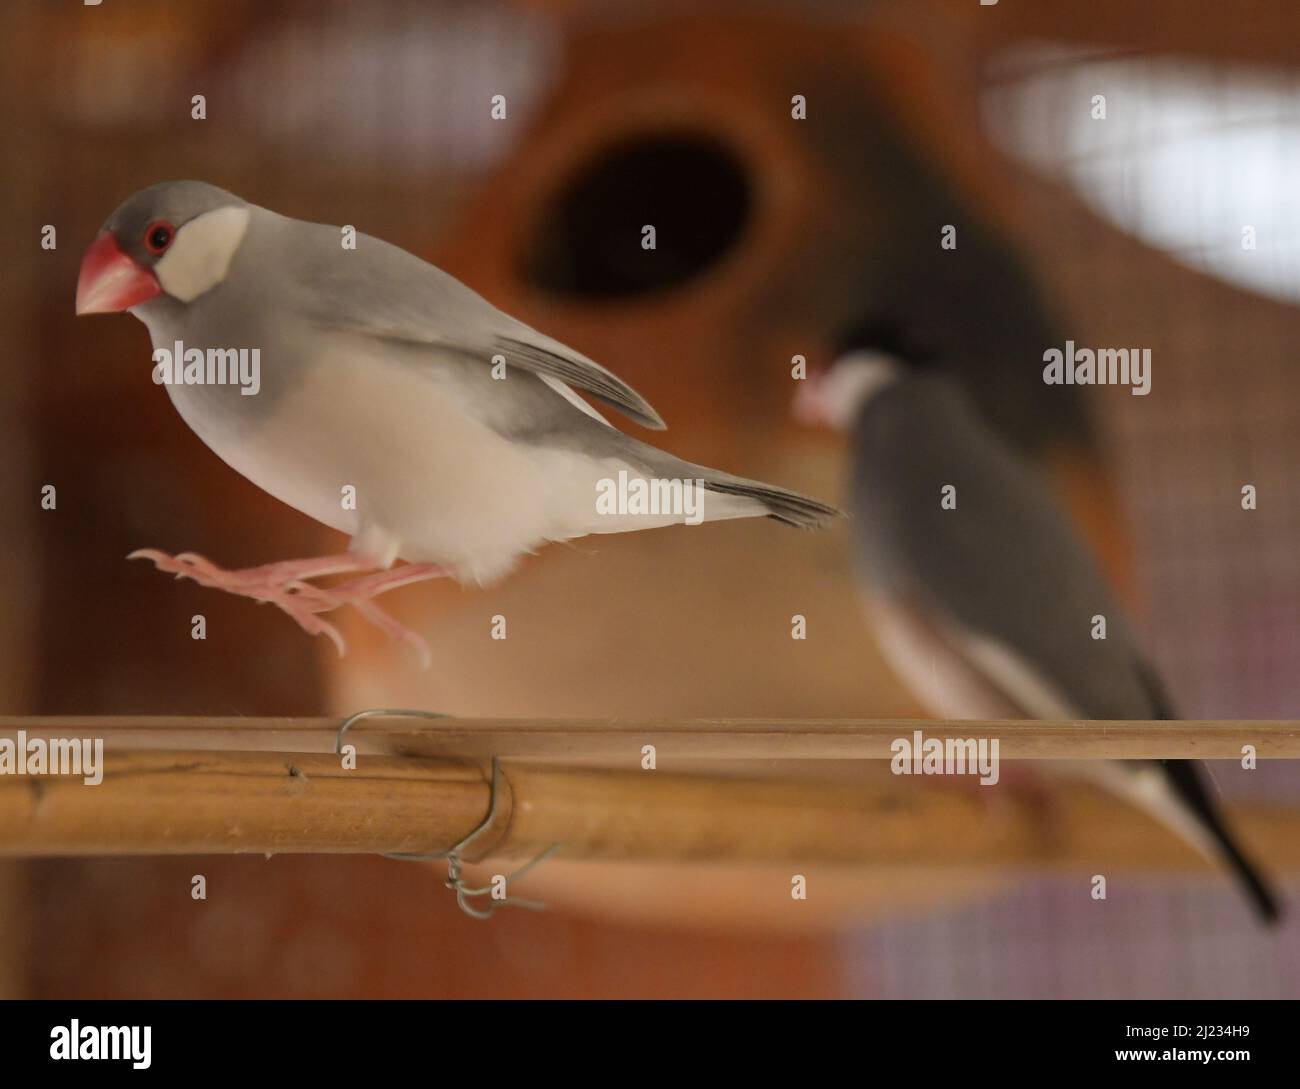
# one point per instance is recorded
(281, 584)
(380, 582)
(284, 584)
(359, 592)
(293, 606)
(249, 581)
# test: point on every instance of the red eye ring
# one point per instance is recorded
(159, 235)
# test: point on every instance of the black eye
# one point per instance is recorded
(158, 236)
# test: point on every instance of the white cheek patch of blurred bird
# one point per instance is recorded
(395, 405)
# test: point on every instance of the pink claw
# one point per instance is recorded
(285, 586)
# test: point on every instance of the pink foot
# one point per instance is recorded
(284, 585)
(359, 593)
(248, 580)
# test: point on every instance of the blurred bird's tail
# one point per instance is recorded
(745, 498)
(1188, 782)
(789, 507)
(1175, 793)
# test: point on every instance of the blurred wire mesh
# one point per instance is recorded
(1134, 223)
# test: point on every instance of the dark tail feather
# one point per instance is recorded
(789, 507)
(1189, 783)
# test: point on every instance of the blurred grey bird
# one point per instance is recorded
(985, 608)
(393, 404)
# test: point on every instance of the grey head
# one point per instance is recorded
(173, 239)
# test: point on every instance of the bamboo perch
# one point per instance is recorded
(237, 802)
(618, 742)
(194, 785)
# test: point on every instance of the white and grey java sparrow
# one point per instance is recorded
(378, 381)
(984, 605)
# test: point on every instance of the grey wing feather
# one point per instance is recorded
(381, 291)
(581, 373)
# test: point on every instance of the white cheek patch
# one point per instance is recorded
(853, 381)
(201, 253)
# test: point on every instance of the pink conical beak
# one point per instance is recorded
(110, 281)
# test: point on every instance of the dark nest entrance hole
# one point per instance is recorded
(588, 244)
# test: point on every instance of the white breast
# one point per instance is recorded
(430, 484)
